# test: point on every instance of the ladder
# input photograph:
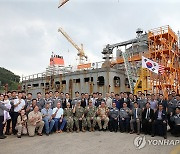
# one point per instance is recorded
(129, 71)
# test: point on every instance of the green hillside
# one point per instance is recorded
(8, 77)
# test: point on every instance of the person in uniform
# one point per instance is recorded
(28, 100)
(56, 98)
(176, 120)
(160, 122)
(102, 113)
(21, 125)
(136, 114)
(124, 118)
(68, 116)
(76, 99)
(48, 100)
(142, 102)
(178, 100)
(171, 105)
(90, 112)
(79, 116)
(30, 107)
(40, 101)
(108, 100)
(113, 118)
(35, 121)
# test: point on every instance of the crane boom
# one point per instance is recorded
(62, 3)
(80, 50)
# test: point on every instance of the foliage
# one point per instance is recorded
(8, 78)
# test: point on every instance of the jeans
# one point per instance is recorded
(48, 125)
(57, 123)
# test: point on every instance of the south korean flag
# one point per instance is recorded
(149, 64)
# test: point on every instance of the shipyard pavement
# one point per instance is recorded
(83, 143)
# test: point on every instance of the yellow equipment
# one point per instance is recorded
(81, 54)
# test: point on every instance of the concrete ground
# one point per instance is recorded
(82, 143)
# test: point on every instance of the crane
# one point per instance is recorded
(62, 2)
(81, 54)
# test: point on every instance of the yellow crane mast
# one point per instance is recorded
(81, 54)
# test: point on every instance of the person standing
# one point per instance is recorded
(19, 104)
(76, 99)
(2, 108)
(40, 101)
(171, 105)
(66, 101)
(7, 117)
(108, 100)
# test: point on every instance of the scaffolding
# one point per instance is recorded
(163, 48)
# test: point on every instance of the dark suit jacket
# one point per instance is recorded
(151, 115)
(164, 115)
(64, 103)
(83, 102)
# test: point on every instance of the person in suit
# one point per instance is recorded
(66, 100)
(176, 121)
(85, 100)
(136, 114)
(160, 122)
(147, 119)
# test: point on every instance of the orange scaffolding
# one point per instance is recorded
(163, 47)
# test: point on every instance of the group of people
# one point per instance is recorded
(57, 112)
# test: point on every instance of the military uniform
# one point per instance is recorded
(102, 116)
(79, 111)
(68, 115)
(91, 115)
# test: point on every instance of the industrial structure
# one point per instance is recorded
(62, 2)
(118, 74)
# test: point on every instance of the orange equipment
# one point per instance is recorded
(56, 60)
(163, 46)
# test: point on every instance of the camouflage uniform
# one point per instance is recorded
(102, 116)
(68, 115)
(78, 114)
(91, 113)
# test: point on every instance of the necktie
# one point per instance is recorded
(147, 113)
